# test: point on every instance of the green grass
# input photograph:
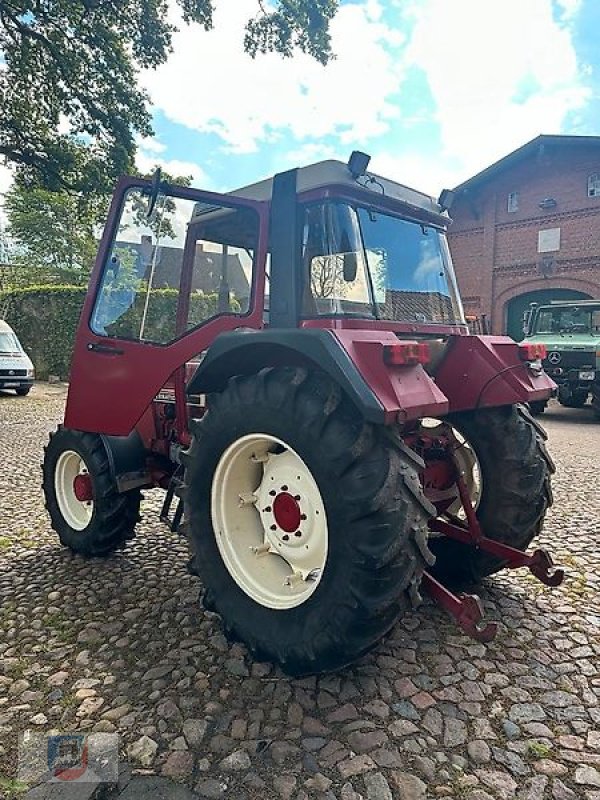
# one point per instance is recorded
(12, 788)
(536, 750)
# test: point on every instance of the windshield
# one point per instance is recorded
(9, 343)
(568, 320)
(409, 268)
(370, 264)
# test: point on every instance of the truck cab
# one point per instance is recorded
(570, 332)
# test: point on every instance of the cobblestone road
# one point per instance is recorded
(123, 645)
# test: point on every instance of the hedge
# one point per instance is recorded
(45, 319)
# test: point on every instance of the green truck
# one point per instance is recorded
(570, 330)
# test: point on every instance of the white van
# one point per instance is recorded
(16, 369)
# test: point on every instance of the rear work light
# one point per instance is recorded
(532, 352)
(406, 353)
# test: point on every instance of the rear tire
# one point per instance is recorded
(515, 491)
(94, 527)
(376, 520)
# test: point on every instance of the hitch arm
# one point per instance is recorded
(539, 562)
(465, 608)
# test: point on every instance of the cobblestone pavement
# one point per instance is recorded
(123, 645)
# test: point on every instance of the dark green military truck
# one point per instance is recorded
(571, 332)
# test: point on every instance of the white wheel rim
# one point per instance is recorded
(470, 470)
(467, 464)
(76, 513)
(260, 490)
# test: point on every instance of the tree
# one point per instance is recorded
(54, 234)
(327, 276)
(70, 104)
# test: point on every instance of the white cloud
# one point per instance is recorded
(149, 156)
(210, 85)
(150, 144)
(499, 73)
(417, 170)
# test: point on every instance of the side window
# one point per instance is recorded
(140, 288)
(593, 185)
(224, 242)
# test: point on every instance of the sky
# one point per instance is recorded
(434, 90)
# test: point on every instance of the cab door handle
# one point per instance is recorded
(107, 349)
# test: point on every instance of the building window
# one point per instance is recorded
(594, 185)
(513, 202)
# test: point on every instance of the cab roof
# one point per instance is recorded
(5, 327)
(331, 173)
(570, 304)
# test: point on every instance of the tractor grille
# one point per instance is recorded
(13, 373)
(569, 359)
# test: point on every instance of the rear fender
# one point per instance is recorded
(485, 371)
(354, 360)
(127, 461)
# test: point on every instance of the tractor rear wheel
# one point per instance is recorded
(87, 512)
(308, 526)
(512, 494)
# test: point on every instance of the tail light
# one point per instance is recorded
(532, 352)
(406, 353)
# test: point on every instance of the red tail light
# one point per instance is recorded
(406, 353)
(532, 352)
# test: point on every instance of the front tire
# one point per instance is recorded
(355, 575)
(23, 390)
(87, 512)
(571, 399)
(514, 494)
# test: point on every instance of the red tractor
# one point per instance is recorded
(292, 361)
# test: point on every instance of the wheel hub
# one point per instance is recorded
(286, 512)
(82, 487)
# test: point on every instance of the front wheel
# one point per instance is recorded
(309, 526)
(87, 512)
(570, 398)
(511, 492)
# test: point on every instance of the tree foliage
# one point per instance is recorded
(70, 103)
(54, 234)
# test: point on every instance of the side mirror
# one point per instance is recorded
(350, 266)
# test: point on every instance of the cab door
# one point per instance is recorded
(163, 287)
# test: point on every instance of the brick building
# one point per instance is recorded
(527, 229)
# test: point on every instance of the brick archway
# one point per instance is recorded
(589, 288)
